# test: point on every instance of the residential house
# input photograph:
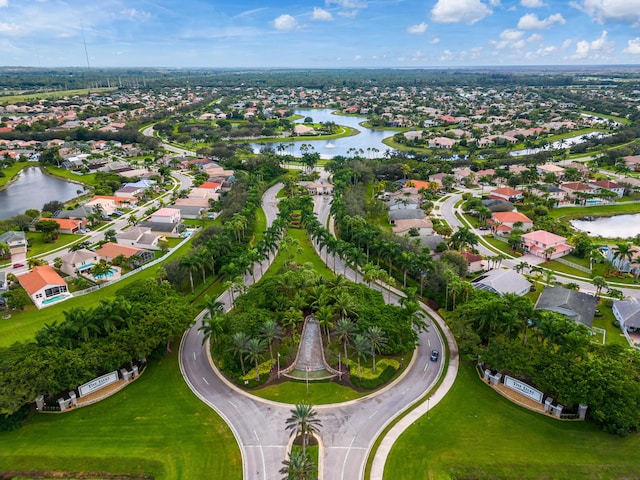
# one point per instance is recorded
(625, 264)
(420, 184)
(550, 168)
(404, 214)
(474, 261)
(403, 202)
(44, 286)
(632, 162)
(17, 243)
(441, 142)
(318, 188)
(627, 313)
(65, 225)
(166, 215)
(545, 244)
(578, 306)
(436, 178)
(80, 261)
(502, 281)
(503, 222)
(422, 226)
(599, 185)
(138, 236)
(506, 193)
(577, 190)
(136, 256)
(131, 193)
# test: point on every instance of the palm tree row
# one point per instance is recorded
(303, 422)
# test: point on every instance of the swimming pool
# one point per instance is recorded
(54, 299)
(109, 274)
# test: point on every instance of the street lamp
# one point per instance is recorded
(339, 367)
(428, 398)
(278, 365)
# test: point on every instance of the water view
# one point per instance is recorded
(32, 190)
(368, 141)
(619, 226)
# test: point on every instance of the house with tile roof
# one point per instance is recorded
(502, 281)
(599, 185)
(136, 256)
(78, 261)
(503, 222)
(506, 193)
(578, 306)
(44, 286)
(138, 236)
(627, 312)
(65, 225)
(545, 244)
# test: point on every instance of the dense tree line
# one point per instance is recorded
(88, 342)
(552, 352)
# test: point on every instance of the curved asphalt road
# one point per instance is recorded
(348, 430)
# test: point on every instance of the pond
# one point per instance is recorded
(618, 226)
(33, 189)
(368, 140)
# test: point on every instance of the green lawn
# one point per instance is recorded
(569, 213)
(474, 433)
(155, 426)
(307, 255)
(23, 325)
(37, 245)
(320, 393)
(29, 97)
(614, 334)
(89, 179)
(12, 171)
(261, 226)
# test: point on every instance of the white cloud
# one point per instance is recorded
(418, 29)
(530, 21)
(417, 56)
(452, 11)
(509, 38)
(285, 23)
(446, 55)
(633, 46)
(10, 29)
(134, 14)
(4, 3)
(626, 11)
(357, 58)
(321, 14)
(348, 13)
(494, 3)
(598, 49)
(566, 44)
(434, 41)
(347, 3)
(532, 3)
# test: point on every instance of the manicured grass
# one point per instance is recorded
(12, 171)
(569, 213)
(57, 94)
(307, 255)
(37, 245)
(475, 433)
(23, 325)
(614, 335)
(624, 121)
(261, 226)
(320, 392)
(562, 268)
(88, 179)
(155, 426)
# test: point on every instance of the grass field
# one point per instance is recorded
(57, 94)
(37, 245)
(320, 393)
(474, 433)
(569, 213)
(11, 172)
(88, 179)
(155, 426)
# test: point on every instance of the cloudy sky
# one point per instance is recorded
(326, 33)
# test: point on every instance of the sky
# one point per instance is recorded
(318, 33)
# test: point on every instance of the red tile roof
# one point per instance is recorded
(40, 277)
(510, 217)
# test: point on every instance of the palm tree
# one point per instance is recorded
(298, 467)
(344, 304)
(621, 252)
(344, 330)
(270, 331)
(361, 348)
(599, 282)
(303, 421)
(190, 263)
(377, 339)
(239, 342)
(255, 347)
(325, 315)
(212, 327)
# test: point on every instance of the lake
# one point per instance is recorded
(619, 226)
(366, 139)
(33, 189)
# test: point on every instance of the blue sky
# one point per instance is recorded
(326, 33)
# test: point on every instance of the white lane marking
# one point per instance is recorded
(345, 458)
(405, 391)
(264, 464)
(205, 380)
(256, 434)
(232, 404)
(194, 356)
(425, 366)
(373, 414)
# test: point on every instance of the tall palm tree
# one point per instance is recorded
(303, 421)
(239, 341)
(599, 282)
(377, 340)
(325, 316)
(212, 327)
(621, 252)
(190, 263)
(255, 347)
(344, 330)
(270, 331)
(361, 348)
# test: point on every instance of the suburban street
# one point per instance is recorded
(348, 430)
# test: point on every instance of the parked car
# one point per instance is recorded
(18, 265)
(434, 355)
